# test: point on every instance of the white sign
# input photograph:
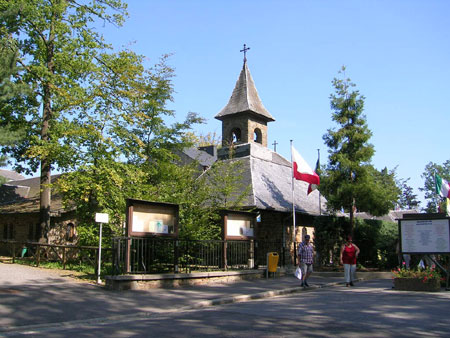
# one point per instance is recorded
(101, 218)
(425, 236)
(237, 226)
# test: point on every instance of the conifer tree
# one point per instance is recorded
(350, 182)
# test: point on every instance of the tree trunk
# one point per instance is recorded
(352, 217)
(45, 195)
(45, 188)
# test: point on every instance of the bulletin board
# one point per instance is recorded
(425, 235)
(238, 225)
(146, 218)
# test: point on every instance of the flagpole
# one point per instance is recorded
(293, 199)
(320, 195)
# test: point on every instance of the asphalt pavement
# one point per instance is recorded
(40, 299)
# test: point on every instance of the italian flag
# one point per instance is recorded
(301, 170)
(442, 187)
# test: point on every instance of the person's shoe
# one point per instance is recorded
(306, 284)
(351, 284)
(302, 284)
(347, 284)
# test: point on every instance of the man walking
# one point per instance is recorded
(305, 259)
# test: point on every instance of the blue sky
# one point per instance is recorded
(396, 52)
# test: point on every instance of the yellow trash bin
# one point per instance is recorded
(272, 262)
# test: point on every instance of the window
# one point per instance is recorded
(236, 135)
(257, 136)
(70, 234)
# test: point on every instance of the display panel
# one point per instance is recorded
(425, 235)
(239, 225)
(147, 218)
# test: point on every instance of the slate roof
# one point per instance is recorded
(22, 196)
(269, 175)
(11, 175)
(245, 98)
(201, 156)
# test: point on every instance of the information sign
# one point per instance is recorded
(425, 235)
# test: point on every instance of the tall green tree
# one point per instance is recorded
(350, 182)
(407, 199)
(428, 188)
(122, 145)
(57, 52)
(10, 132)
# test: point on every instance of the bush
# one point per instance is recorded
(376, 240)
(424, 274)
(329, 232)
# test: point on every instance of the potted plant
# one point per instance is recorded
(417, 280)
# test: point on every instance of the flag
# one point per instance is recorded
(444, 207)
(442, 187)
(301, 170)
(311, 186)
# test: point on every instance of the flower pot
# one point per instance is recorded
(417, 284)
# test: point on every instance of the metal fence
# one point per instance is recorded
(153, 255)
(64, 254)
(162, 255)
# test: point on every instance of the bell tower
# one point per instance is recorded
(244, 118)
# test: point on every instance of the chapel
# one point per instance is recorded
(245, 128)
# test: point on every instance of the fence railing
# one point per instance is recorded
(64, 254)
(153, 255)
(160, 255)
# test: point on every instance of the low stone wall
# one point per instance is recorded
(150, 281)
(142, 282)
(416, 284)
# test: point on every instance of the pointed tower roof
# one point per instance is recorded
(245, 98)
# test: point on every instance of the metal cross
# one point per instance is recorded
(275, 146)
(245, 52)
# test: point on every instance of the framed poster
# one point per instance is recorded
(145, 218)
(238, 225)
(425, 235)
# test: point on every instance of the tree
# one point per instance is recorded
(10, 132)
(57, 53)
(350, 182)
(429, 185)
(407, 199)
(122, 146)
(202, 140)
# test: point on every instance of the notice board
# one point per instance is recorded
(425, 235)
(145, 218)
(238, 225)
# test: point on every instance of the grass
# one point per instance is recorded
(80, 271)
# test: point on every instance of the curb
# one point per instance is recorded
(260, 295)
(39, 328)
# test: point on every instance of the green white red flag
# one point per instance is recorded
(442, 186)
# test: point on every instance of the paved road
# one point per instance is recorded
(371, 309)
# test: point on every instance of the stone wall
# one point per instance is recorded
(26, 227)
(247, 124)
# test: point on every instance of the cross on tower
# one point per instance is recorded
(245, 52)
(275, 146)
